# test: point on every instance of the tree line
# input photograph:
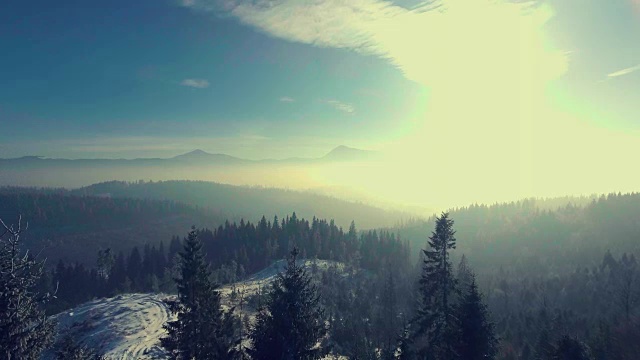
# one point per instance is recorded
(234, 250)
(73, 228)
(381, 307)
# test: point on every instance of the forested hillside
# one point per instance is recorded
(534, 236)
(73, 228)
(233, 250)
(548, 276)
(548, 272)
(73, 224)
(251, 203)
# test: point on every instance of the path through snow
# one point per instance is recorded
(124, 327)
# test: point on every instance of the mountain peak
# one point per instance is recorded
(198, 152)
(194, 153)
(342, 153)
(203, 156)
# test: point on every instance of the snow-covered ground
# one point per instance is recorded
(123, 327)
(260, 281)
(130, 326)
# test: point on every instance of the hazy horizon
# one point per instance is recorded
(469, 102)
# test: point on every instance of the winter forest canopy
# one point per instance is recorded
(523, 280)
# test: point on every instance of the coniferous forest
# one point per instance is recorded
(553, 295)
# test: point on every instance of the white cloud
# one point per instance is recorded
(339, 105)
(195, 83)
(431, 44)
(624, 72)
(287, 99)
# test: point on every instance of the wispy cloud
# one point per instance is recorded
(287, 99)
(195, 83)
(342, 106)
(484, 61)
(624, 72)
(488, 34)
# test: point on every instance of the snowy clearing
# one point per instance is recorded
(123, 327)
(129, 326)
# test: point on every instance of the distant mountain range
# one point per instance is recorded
(195, 165)
(339, 154)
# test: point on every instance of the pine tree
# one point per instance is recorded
(105, 263)
(69, 349)
(202, 330)
(477, 337)
(134, 268)
(543, 347)
(292, 323)
(436, 321)
(118, 276)
(25, 330)
(464, 275)
(569, 348)
(387, 322)
(405, 345)
(602, 343)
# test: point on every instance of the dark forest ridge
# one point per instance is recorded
(250, 203)
(65, 223)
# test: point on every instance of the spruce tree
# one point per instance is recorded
(134, 268)
(570, 348)
(477, 337)
(406, 348)
(106, 261)
(69, 349)
(25, 330)
(292, 323)
(387, 325)
(435, 320)
(202, 330)
(464, 275)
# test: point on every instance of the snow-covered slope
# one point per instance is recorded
(263, 278)
(130, 326)
(124, 327)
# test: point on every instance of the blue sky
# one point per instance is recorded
(286, 78)
(116, 74)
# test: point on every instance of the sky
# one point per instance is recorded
(524, 97)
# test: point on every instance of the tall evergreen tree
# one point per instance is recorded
(25, 330)
(406, 348)
(387, 321)
(118, 278)
(202, 330)
(105, 263)
(569, 348)
(477, 337)
(292, 323)
(69, 349)
(464, 275)
(436, 320)
(134, 266)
